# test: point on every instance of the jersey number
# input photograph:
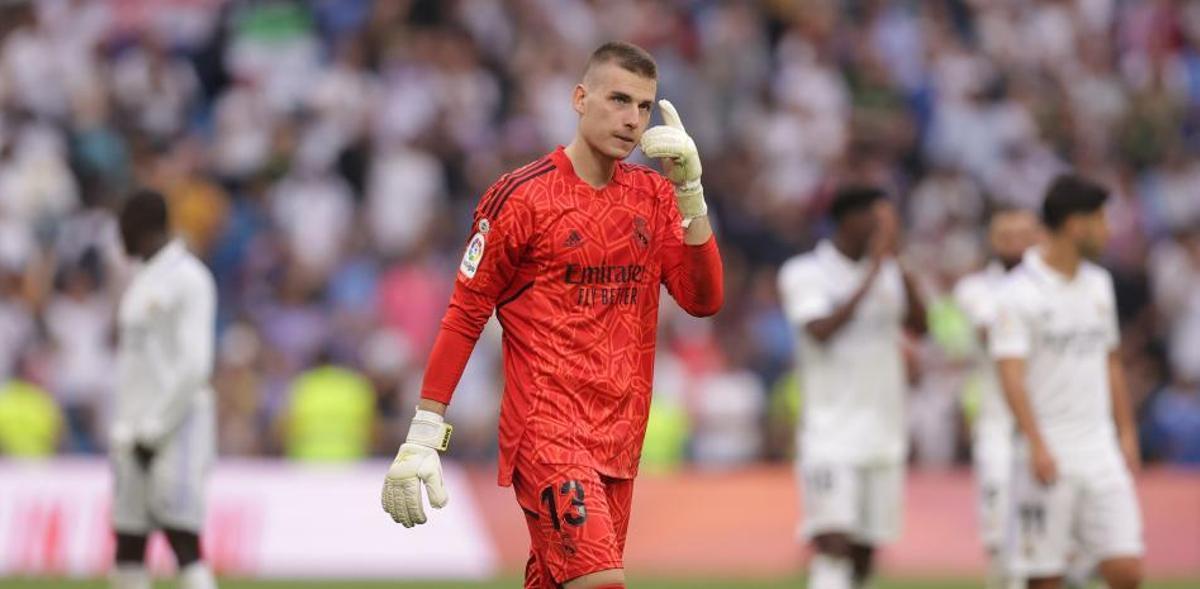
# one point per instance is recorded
(820, 480)
(576, 512)
(1033, 519)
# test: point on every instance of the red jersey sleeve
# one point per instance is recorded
(501, 231)
(693, 274)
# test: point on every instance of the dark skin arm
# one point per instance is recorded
(914, 316)
(890, 233)
(826, 327)
(885, 242)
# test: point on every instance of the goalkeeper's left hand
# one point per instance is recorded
(681, 162)
(417, 462)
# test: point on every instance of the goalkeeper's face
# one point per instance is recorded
(614, 108)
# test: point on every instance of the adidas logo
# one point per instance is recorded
(574, 239)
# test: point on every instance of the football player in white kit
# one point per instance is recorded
(162, 438)
(1011, 231)
(1055, 343)
(849, 301)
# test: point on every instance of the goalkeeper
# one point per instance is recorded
(569, 252)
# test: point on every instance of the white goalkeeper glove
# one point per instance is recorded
(681, 162)
(417, 462)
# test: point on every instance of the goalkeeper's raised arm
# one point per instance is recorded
(694, 276)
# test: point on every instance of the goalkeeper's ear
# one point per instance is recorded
(579, 98)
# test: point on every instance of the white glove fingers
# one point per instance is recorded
(670, 143)
(663, 142)
(669, 115)
(393, 503)
(416, 465)
(412, 501)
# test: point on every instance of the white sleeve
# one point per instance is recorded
(1011, 335)
(188, 372)
(801, 295)
(974, 300)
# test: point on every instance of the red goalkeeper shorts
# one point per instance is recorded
(577, 521)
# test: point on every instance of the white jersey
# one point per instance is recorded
(977, 295)
(992, 436)
(1064, 328)
(167, 320)
(854, 383)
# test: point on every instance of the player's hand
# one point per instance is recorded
(1131, 452)
(885, 241)
(417, 463)
(1044, 467)
(143, 453)
(670, 143)
(878, 247)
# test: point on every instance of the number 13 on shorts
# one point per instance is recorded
(577, 518)
(576, 512)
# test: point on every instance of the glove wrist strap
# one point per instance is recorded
(430, 430)
(691, 201)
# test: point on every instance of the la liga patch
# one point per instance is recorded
(473, 255)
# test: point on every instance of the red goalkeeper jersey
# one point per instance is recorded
(573, 274)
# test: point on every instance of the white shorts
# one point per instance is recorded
(1091, 509)
(992, 455)
(171, 493)
(865, 502)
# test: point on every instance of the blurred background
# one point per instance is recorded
(323, 158)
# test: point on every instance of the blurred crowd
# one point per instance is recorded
(323, 158)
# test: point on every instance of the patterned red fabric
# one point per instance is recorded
(573, 275)
(577, 520)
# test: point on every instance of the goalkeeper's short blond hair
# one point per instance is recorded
(625, 55)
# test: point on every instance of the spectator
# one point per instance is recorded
(1175, 421)
(329, 416)
(30, 422)
(79, 323)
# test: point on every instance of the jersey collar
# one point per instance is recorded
(830, 254)
(1039, 268)
(169, 251)
(563, 163)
